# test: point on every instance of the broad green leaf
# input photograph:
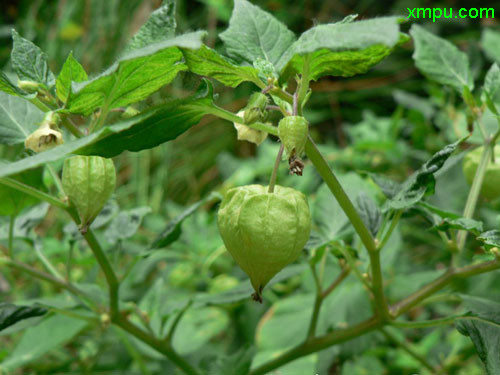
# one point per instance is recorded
(37, 341)
(71, 71)
(134, 77)
(11, 314)
(126, 224)
(18, 119)
(492, 88)
(490, 238)
(440, 60)
(198, 327)
(173, 230)
(490, 41)
(146, 130)
(207, 62)
(254, 33)
(12, 201)
(160, 25)
(483, 328)
(7, 86)
(369, 211)
(422, 182)
(30, 62)
(342, 49)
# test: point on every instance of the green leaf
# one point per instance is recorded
(11, 314)
(25, 222)
(491, 88)
(160, 25)
(173, 230)
(342, 49)
(490, 41)
(134, 77)
(440, 60)
(445, 220)
(237, 363)
(254, 33)
(422, 182)
(50, 334)
(30, 62)
(207, 62)
(126, 224)
(18, 119)
(71, 71)
(7, 86)
(483, 328)
(389, 187)
(490, 238)
(369, 212)
(146, 130)
(13, 201)
(198, 327)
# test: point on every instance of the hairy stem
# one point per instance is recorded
(272, 181)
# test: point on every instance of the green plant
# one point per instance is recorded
(265, 229)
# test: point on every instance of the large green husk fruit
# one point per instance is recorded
(264, 232)
(88, 181)
(491, 184)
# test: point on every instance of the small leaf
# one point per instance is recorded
(133, 77)
(491, 88)
(389, 187)
(490, 238)
(11, 314)
(160, 25)
(369, 212)
(342, 49)
(30, 62)
(173, 230)
(440, 60)
(422, 182)
(7, 86)
(71, 71)
(490, 41)
(254, 33)
(18, 119)
(445, 220)
(126, 224)
(207, 62)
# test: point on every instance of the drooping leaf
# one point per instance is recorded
(389, 187)
(440, 60)
(134, 76)
(71, 71)
(18, 119)
(490, 41)
(342, 49)
(29, 62)
(254, 33)
(207, 62)
(50, 334)
(11, 314)
(146, 130)
(160, 25)
(445, 220)
(369, 212)
(490, 238)
(483, 327)
(422, 182)
(126, 224)
(173, 230)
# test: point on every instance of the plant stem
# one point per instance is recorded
(439, 283)
(408, 349)
(304, 85)
(343, 274)
(272, 182)
(109, 273)
(387, 235)
(40, 255)
(475, 189)
(176, 321)
(425, 323)
(33, 192)
(229, 116)
(381, 308)
(12, 223)
(159, 345)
